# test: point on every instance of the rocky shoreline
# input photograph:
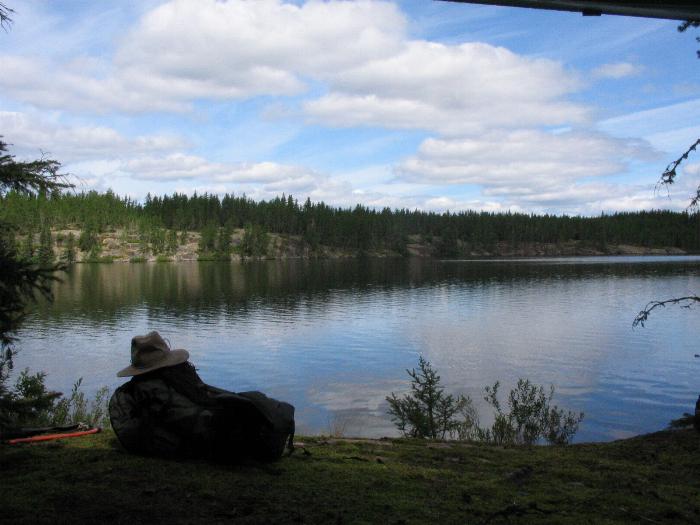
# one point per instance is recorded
(125, 246)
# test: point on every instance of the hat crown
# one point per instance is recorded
(150, 352)
(147, 350)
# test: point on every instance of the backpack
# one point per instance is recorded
(256, 425)
(151, 417)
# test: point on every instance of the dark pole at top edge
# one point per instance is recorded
(681, 10)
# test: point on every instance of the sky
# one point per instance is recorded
(411, 104)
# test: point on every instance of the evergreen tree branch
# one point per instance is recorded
(5, 16)
(684, 302)
(37, 176)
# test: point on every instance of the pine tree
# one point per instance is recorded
(45, 254)
(207, 241)
(27, 252)
(172, 242)
(223, 242)
(87, 239)
(68, 255)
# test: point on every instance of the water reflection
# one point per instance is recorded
(334, 337)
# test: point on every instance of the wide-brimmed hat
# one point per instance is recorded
(150, 352)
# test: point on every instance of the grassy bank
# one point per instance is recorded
(647, 479)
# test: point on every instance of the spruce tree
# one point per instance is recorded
(20, 279)
(172, 242)
(68, 255)
(207, 241)
(45, 254)
(27, 252)
(223, 242)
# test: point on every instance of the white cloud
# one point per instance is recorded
(692, 169)
(518, 162)
(451, 90)
(30, 135)
(616, 70)
(272, 177)
(186, 50)
(183, 51)
(66, 87)
(670, 128)
(347, 64)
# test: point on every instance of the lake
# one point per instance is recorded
(334, 337)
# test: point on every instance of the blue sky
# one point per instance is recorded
(417, 104)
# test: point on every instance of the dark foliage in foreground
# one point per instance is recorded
(21, 279)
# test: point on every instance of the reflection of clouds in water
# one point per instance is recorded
(361, 408)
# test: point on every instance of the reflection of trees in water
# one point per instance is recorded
(103, 292)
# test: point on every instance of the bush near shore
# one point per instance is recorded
(646, 479)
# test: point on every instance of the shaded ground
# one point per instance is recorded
(648, 479)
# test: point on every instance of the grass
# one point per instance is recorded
(647, 479)
(137, 259)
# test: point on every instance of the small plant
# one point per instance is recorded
(31, 404)
(337, 425)
(137, 259)
(427, 412)
(529, 418)
(76, 408)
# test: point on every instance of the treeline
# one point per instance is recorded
(359, 228)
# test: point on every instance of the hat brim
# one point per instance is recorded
(172, 358)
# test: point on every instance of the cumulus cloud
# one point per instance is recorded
(186, 50)
(30, 135)
(518, 162)
(616, 70)
(183, 51)
(347, 64)
(271, 176)
(450, 89)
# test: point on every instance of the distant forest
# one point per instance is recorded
(359, 228)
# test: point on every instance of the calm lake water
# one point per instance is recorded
(335, 337)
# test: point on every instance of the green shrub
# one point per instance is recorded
(163, 258)
(78, 409)
(530, 417)
(30, 404)
(137, 259)
(427, 412)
